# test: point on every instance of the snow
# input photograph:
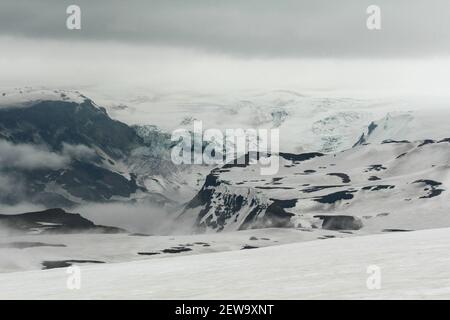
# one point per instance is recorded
(302, 262)
(406, 204)
(410, 125)
(413, 265)
(27, 96)
(308, 120)
(123, 247)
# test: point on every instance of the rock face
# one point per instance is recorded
(340, 222)
(52, 221)
(349, 190)
(62, 152)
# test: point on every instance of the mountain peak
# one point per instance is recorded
(25, 97)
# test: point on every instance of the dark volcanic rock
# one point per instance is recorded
(148, 253)
(53, 221)
(176, 250)
(65, 263)
(345, 178)
(432, 187)
(379, 187)
(274, 217)
(245, 247)
(375, 167)
(336, 196)
(26, 244)
(340, 222)
(394, 141)
(396, 230)
(319, 188)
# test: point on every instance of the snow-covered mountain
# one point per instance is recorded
(307, 122)
(365, 171)
(62, 149)
(410, 125)
(370, 188)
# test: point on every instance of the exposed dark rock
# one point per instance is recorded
(396, 230)
(379, 187)
(297, 158)
(245, 247)
(148, 253)
(345, 178)
(53, 221)
(431, 187)
(274, 188)
(394, 141)
(288, 203)
(444, 140)
(26, 244)
(340, 222)
(384, 214)
(65, 263)
(375, 167)
(425, 142)
(336, 196)
(176, 250)
(319, 188)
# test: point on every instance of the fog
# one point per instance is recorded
(136, 218)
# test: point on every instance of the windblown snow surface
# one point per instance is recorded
(412, 265)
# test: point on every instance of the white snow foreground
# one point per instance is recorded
(412, 265)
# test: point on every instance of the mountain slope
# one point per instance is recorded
(62, 149)
(369, 188)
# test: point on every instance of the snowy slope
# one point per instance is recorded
(413, 265)
(412, 125)
(29, 252)
(370, 188)
(307, 122)
(27, 96)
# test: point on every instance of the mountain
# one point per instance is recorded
(413, 125)
(61, 149)
(307, 121)
(392, 186)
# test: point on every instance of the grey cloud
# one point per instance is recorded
(286, 28)
(79, 152)
(31, 157)
(138, 217)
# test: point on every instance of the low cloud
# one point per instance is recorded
(78, 152)
(22, 156)
(29, 157)
(138, 218)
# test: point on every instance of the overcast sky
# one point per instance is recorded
(295, 28)
(182, 40)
